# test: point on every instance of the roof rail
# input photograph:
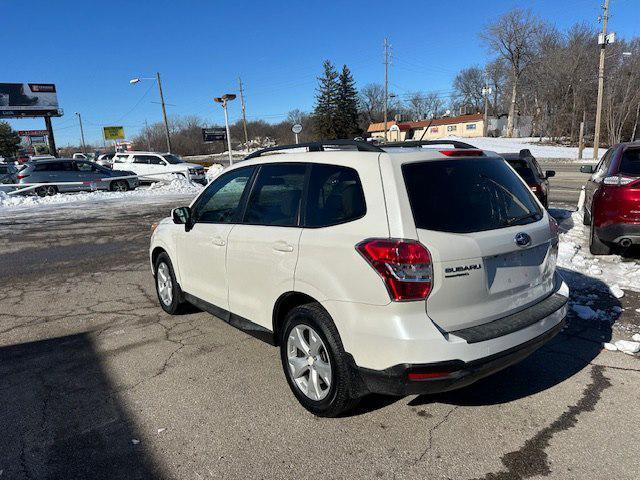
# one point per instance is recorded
(318, 147)
(420, 143)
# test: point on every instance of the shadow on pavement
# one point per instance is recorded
(60, 417)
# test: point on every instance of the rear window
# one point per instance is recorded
(468, 195)
(523, 169)
(54, 167)
(630, 162)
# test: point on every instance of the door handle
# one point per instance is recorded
(282, 246)
(218, 241)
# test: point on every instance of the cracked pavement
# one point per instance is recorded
(96, 381)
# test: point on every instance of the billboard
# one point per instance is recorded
(216, 134)
(113, 133)
(28, 100)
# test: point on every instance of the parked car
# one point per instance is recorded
(93, 176)
(525, 165)
(612, 199)
(22, 158)
(7, 173)
(395, 273)
(154, 167)
(106, 159)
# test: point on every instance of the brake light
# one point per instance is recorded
(404, 265)
(463, 152)
(20, 176)
(619, 181)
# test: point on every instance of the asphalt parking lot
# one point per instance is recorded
(96, 381)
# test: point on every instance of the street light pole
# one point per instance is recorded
(164, 113)
(223, 101)
(84, 148)
(603, 43)
(133, 81)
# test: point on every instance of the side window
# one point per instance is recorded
(275, 198)
(603, 166)
(335, 196)
(120, 158)
(85, 167)
(220, 201)
(156, 161)
(141, 159)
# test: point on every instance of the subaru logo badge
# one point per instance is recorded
(522, 239)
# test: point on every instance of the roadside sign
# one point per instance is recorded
(216, 134)
(296, 128)
(113, 133)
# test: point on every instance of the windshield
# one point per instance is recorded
(468, 195)
(523, 169)
(172, 159)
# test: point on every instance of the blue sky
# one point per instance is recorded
(90, 50)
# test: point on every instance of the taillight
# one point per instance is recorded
(463, 152)
(20, 176)
(619, 181)
(404, 265)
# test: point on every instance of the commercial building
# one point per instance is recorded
(466, 126)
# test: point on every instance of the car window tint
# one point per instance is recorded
(630, 162)
(220, 201)
(275, 198)
(155, 160)
(335, 196)
(524, 170)
(468, 195)
(141, 159)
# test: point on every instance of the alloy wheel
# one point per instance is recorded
(165, 284)
(308, 362)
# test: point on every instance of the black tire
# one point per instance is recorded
(586, 218)
(177, 303)
(46, 190)
(119, 186)
(597, 246)
(341, 396)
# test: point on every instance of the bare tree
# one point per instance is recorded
(372, 102)
(467, 87)
(514, 37)
(417, 106)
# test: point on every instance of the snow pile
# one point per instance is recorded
(176, 188)
(624, 346)
(574, 254)
(513, 145)
(213, 171)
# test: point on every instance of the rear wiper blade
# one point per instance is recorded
(514, 220)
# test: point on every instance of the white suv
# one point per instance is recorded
(395, 273)
(151, 166)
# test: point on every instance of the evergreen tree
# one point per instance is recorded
(9, 140)
(347, 111)
(327, 102)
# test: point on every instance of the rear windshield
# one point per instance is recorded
(523, 169)
(172, 159)
(468, 195)
(630, 162)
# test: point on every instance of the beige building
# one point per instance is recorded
(465, 126)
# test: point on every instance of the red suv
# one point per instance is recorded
(612, 199)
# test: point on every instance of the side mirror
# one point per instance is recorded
(587, 168)
(550, 173)
(182, 216)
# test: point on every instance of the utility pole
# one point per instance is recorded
(84, 148)
(386, 85)
(602, 40)
(581, 138)
(52, 141)
(146, 131)
(244, 117)
(223, 101)
(486, 91)
(164, 113)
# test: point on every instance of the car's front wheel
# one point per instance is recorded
(119, 186)
(315, 363)
(167, 288)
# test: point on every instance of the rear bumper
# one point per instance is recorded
(617, 231)
(395, 380)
